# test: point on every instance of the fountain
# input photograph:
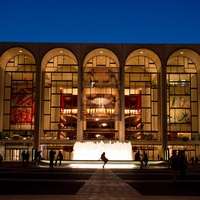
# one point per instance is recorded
(93, 151)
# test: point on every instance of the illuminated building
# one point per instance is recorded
(54, 94)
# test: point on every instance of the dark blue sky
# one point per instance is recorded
(100, 21)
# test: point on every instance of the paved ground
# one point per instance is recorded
(22, 183)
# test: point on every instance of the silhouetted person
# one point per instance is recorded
(51, 155)
(183, 165)
(145, 159)
(23, 158)
(104, 159)
(38, 157)
(59, 158)
(1, 159)
(27, 156)
(192, 159)
(138, 158)
(174, 163)
(196, 161)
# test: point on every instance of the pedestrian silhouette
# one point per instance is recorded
(23, 158)
(192, 161)
(183, 165)
(138, 158)
(103, 158)
(38, 157)
(196, 160)
(1, 159)
(145, 159)
(59, 158)
(174, 163)
(51, 155)
(27, 156)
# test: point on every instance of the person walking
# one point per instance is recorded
(174, 164)
(27, 156)
(51, 155)
(38, 157)
(1, 159)
(183, 165)
(196, 161)
(59, 158)
(104, 159)
(145, 159)
(192, 159)
(23, 157)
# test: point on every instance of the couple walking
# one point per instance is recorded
(143, 159)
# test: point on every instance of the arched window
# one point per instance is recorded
(100, 95)
(60, 95)
(141, 95)
(182, 96)
(19, 94)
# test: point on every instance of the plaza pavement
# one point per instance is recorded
(66, 183)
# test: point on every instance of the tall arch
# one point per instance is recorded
(182, 95)
(141, 89)
(60, 69)
(18, 68)
(100, 95)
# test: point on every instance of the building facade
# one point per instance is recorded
(54, 94)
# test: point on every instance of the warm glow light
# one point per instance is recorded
(132, 112)
(101, 101)
(108, 166)
(104, 124)
(93, 151)
(97, 135)
(100, 110)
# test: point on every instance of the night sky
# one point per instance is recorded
(100, 21)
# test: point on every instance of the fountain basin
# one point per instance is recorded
(93, 150)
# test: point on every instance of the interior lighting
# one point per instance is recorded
(101, 52)
(104, 124)
(97, 135)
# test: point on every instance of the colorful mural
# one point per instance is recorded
(178, 111)
(22, 106)
(180, 101)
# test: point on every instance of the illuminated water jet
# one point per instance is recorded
(93, 151)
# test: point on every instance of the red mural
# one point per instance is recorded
(22, 106)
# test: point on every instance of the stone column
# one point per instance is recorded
(163, 111)
(38, 108)
(122, 105)
(79, 109)
(198, 89)
(2, 74)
